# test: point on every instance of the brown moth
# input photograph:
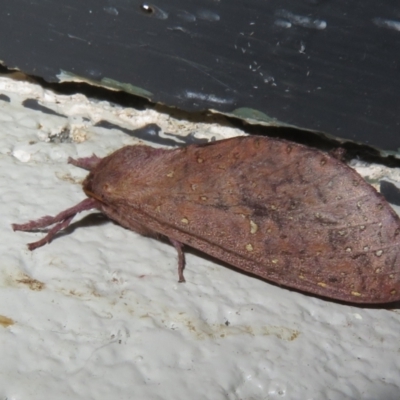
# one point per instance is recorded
(282, 211)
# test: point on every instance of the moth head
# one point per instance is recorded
(120, 173)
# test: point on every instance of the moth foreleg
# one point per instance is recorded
(87, 163)
(62, 220)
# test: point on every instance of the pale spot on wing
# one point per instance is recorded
(249, 247)
(253, 227)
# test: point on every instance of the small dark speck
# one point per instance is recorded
(33, 104)
(227, 323)
(4, 98)
(153, 11)
(147, 8)
(62, 137)
(390, 192)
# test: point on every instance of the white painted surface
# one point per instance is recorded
(99, 314)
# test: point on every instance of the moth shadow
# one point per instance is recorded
(90, 220)
(98, 219)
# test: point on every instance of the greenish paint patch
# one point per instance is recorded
(251, 113)
(126, 87)
(387, 153)
(65, 76)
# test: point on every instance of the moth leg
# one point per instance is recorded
(62, 220)
(87, 163)
(52, 232)
(181, 258)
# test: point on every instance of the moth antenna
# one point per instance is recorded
(87, 163)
